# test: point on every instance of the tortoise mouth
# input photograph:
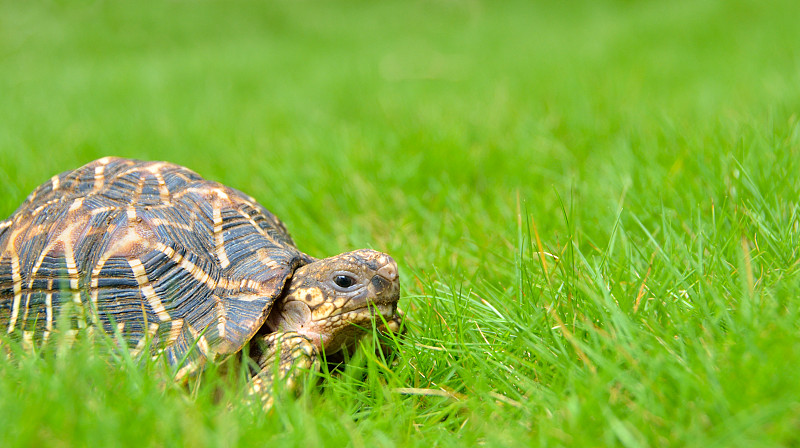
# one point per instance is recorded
(343, 330)
(354, 306)
(368, 312)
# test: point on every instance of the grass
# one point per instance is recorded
(594, 206)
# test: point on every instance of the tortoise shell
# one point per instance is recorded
(149, 249)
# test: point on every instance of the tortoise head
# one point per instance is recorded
(332, 301)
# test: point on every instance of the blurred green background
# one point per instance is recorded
(594, 205)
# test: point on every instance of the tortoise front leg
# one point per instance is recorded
(285, 354)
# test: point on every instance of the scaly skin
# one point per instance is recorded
(316, 314)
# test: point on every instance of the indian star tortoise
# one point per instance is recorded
(154, 252)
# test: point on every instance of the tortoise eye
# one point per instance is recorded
(344, 281)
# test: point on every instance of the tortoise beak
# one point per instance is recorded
(386, 282)
(389, 270)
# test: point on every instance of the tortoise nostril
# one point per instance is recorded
(380, 283)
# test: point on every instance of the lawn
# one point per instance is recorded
(594, 207)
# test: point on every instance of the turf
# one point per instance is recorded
(594, 206)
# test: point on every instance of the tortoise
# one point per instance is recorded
(188, 267)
